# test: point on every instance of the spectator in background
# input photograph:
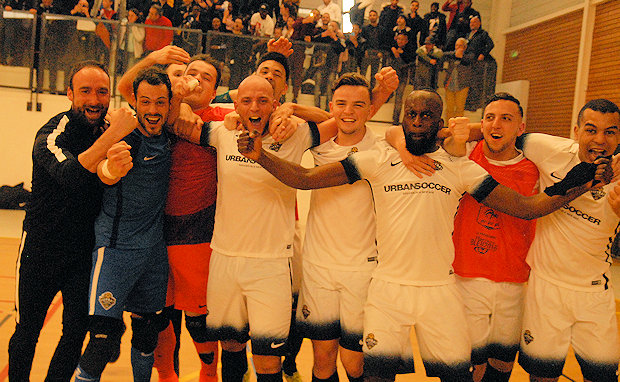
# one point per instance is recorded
(453, 7)
(16, 33)
(429, 59)
(484, 68)
(156, 39)
(436, 23)
(170, 11)
(332, 61)
(402, 59)
(239, 56)
(303, 31)
(289, 28)
(261, 24)
(52, 47)
(374, 35)
(388, 16)
(458, 79)
(417, 24)
(286, 11)
(107, 12)
(460, 24)
(131, 41)
(84, 39)
(402, 28)
(356, 46)
(334, 10)
(217, 43)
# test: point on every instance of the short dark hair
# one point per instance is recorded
(433, 93)
(153, 76)
(373, 11)
(292, 11)
(277, 57)
(211, 61)
(601, 105)
(85, 64)
(352, 79)
(505, 97)
(157, 8)
(436, 4)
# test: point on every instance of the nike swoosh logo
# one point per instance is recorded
(149, 158)
(395, 164)
(275, 346)
(202, 306)
(555, 176)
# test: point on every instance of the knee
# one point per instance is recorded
(197, 327)
(146, 328)
(104, 344)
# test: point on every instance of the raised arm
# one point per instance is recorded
(291, 174)
(574, 184)
(122, 123)
(169, 54)
(387, 82)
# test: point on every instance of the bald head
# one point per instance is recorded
(255, 103)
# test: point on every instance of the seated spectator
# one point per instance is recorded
(402, 28)
(286, 11)
(156, 38)
(216, 44)
(334, 10)
(402, 59)
(458, 79)
(261, 24)
(429, 57)
(288, 28)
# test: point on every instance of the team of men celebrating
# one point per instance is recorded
(379, 256)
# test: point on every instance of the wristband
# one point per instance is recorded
(106, 171)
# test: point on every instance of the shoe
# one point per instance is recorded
(296, 377)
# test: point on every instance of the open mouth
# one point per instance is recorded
(255, 121)
(93, 111)
(348, 120)
(152, 119)
(496, 136)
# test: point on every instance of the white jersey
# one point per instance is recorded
(340, 232)
(572, 245)
(255, 212)
(415, 217)
(264, 27)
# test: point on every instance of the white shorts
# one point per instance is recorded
(437, 314)
(494, 311)
(249, 295)
(331, 305)
(556, 317)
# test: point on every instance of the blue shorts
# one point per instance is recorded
(133, 280)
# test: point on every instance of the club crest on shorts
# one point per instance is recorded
(597, 193)
(275, 146)
(352, 151)
(438, 166)
(107, 300)
(527, 337)
(305, 311)
(371, 341)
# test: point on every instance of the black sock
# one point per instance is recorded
(494, 375)
(332, 378)
(234, 365)
(277, 377)
(356, 379)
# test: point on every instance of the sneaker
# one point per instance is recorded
(296, 377)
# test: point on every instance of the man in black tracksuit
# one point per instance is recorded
(58, 236)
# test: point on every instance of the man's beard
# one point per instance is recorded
(80, 115)
(423, 145)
